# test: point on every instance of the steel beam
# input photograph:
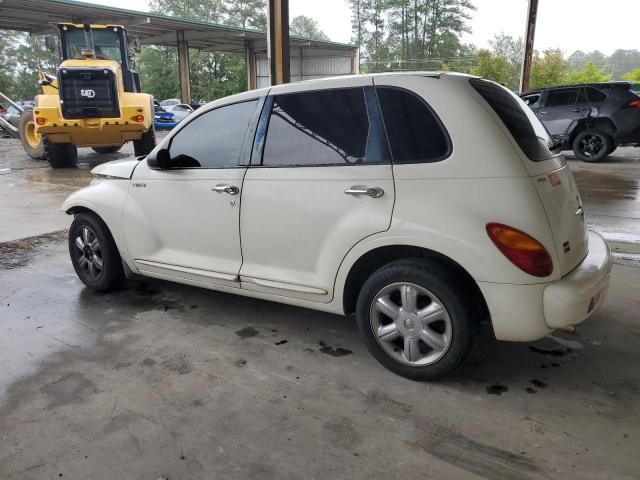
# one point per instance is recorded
(183, 68)
(278, 41)
(250, 63)
(527, 58)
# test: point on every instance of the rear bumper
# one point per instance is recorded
(529, 312)
(574, 298)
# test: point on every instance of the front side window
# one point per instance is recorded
(327, 127)
(559, 98)
(532, 100)
(214, 139)
(415, 134)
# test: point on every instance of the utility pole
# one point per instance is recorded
(527, 58)
(278, 41)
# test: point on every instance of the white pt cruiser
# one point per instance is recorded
(424, 203)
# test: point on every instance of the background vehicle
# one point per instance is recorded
(95, 100)
(180, 110)
(364, 195)
(163, 119)
(591, 119)
(170, 101)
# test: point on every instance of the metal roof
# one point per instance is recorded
(39, 16)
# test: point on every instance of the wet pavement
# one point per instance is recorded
(163, 379)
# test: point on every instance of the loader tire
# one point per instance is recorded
(60, 155)
(113, 149)
(31, 141)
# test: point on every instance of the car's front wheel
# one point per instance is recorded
(591, 145)
(415, 320)
(94, 254)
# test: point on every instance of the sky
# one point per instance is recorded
(566, 24)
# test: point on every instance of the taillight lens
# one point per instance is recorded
(524, 251)
(634, 103)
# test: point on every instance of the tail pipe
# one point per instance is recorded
(89, 51)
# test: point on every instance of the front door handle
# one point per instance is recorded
(373, 192)
(224, 188)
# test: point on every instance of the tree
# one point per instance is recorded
(495, 67)
(305, 27)
(633, 76)
(158, 69)
(246, 13)
(589, 74)
(548, 70)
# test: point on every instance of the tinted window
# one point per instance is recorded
(558, 98)
(415, 134)
(522, 123)
(214, 139)
(595, 95)
(328, 127)
(532, 100)
(582, 96)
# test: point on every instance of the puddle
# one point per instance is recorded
(18, 253)
(334, 352)
(496, 389)
(247, 332)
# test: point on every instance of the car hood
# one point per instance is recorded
(116, 169)
(164, 114)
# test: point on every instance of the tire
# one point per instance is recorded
(31, 141)
(87, 255)
(612, 148)
(113, 149)
(451, 329)
(60, 155)
(591, 145)
(146, 143)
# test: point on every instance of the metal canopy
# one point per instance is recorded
(37, 16)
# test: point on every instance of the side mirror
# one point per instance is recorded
(160, 160)
(50, 43)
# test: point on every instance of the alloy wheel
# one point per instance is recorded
(89, 253)
(410, 324)
(592, 144)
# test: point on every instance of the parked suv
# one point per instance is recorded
(423, 203)
(591, 119)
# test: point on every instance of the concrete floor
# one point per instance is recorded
(162, 379)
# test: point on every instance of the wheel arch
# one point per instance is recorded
(377, 257)
(602, 124)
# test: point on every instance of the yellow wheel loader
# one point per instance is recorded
(94, 101)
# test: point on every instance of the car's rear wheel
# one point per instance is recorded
(415, 320)
(591, 145)
(94, 254)
(146, 143)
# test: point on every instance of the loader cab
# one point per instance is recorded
(108, 42)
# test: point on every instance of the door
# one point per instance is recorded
(183, 222)
(323, 182)
(562, 108)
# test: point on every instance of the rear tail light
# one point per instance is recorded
(634, 103)
(139, 118)
(40, 121)
(524, 251)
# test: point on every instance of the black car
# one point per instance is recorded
(591, 119)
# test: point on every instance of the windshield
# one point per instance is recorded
(106, 43)
(527, 130)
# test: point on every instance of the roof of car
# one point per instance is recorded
(620, 84)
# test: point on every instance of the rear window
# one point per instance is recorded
(595, 95)
(522, 123)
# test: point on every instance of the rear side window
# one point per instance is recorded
(559, 98)
(327, 127)
(595, 95)
(415, 134)
(522, 123)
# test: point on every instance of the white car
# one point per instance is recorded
(180, 111)
(170, 101)
(424, 203)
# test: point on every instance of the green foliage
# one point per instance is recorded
(408, 34)
(22, 56)
(589, 74)
(495, 67)
(306, 27)
(633, 76)
(548, 70)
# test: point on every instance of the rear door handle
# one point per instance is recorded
(373, 192)
(224, 188)
(579, 110)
